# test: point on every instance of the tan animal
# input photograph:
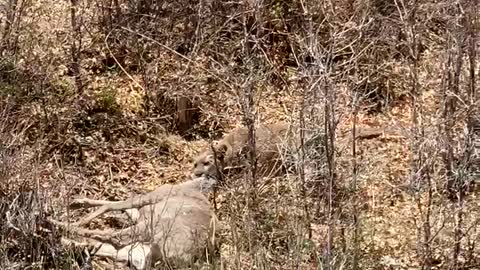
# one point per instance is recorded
(271, 141)
(173, 224)
(277, 147)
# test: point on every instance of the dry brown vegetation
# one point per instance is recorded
(106, 99)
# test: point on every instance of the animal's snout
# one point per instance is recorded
(197, 174)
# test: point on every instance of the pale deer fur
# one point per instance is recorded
(172, 224)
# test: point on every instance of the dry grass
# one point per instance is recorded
(116, 138)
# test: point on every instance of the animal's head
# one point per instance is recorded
(205, 165)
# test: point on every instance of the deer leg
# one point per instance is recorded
(133, 214)
(103, 209)
(135, 202)
(117, 239)
(87, 203)
(136, 254)
(116, 206)
(101, 235)
(106, 236)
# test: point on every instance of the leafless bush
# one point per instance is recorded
(27, 239)
(197, 68)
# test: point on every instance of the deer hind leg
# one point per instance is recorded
(116, 238)
(126, 245)
(119, 238)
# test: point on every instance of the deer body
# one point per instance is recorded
(172, 224)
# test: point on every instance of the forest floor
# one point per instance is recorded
(104, 143)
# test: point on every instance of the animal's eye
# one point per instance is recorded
(206, 163)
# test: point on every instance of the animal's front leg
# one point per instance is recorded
(138, 255)
(132, 214)
(135, 202)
